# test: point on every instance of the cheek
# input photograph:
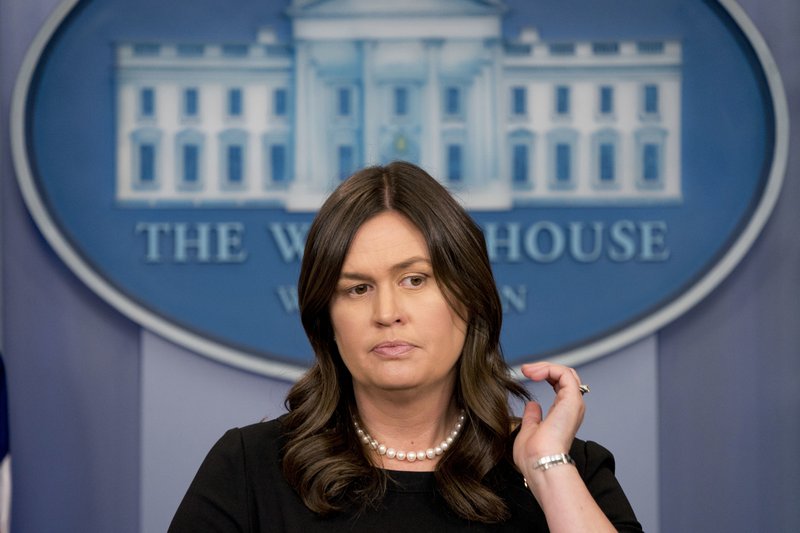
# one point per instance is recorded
(336, 325)
(446, 324)
(343, 323)
(459, 330)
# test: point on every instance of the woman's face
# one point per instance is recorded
(393, 326)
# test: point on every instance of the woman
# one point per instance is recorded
(403, 422)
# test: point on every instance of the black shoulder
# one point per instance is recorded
(217, 497)
(262, 447)
(239, 467)
(263, 433)
(596, 466)
(590, 457)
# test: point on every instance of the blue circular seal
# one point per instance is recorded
(621, 158)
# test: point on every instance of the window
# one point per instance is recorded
(604, 49)
(518, 101)
(400, 101)
(650, 47)
(145, 151)
(607, 164)
(234, 102)
(562, 157)
(191, 50)
(190, 102)
(146, 50)
(563, 162)
(651, 163)
(147, 164)
(235, 50)
(191, 160)
(520, 157)
(277, 158)
(562, 49)
(562, 100)
(651, 99)
(147, 102)
(605, 145)
(452, 101)
(343, 102)
(606, 100)
(346, 161)
(232, 158)
(519, 164)
(454, 163)
(279, 103)
(650, 157)
(235, 161)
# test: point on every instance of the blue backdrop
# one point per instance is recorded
(727, 370)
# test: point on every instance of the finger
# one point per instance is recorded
(532, 414)
(537, 371)
(558, 376)
(577, 379)
(549, 372)
(582, 388)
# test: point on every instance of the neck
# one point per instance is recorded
(406, 421)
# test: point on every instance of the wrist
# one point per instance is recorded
(546, 462)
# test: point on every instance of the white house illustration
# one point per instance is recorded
(501, 121)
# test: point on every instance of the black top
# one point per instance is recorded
(240, 487)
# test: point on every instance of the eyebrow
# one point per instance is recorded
(402, 265)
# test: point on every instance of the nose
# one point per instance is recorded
(388, 308)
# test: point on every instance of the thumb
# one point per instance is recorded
(532, 415)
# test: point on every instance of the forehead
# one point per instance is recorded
(385, 237)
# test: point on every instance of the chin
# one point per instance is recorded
(402, 381)
(398, 384)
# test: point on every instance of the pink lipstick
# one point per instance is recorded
(392, 348)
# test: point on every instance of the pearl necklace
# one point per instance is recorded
(420, 455)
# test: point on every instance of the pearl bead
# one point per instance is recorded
(429, 453)
(401, 455)
(438, 450)
(391, 453)
(381, 449)
(445, 446)
(411, 457)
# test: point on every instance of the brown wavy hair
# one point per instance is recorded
(323, 460)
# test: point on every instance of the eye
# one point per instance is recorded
(358, 290)
(414, 281)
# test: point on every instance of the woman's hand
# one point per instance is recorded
(537, 437)
(560, 491)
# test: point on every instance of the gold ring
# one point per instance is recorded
(583, 388)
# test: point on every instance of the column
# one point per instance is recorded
(431, 149)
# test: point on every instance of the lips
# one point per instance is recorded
(392, 348)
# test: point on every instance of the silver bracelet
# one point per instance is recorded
(549, 461)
